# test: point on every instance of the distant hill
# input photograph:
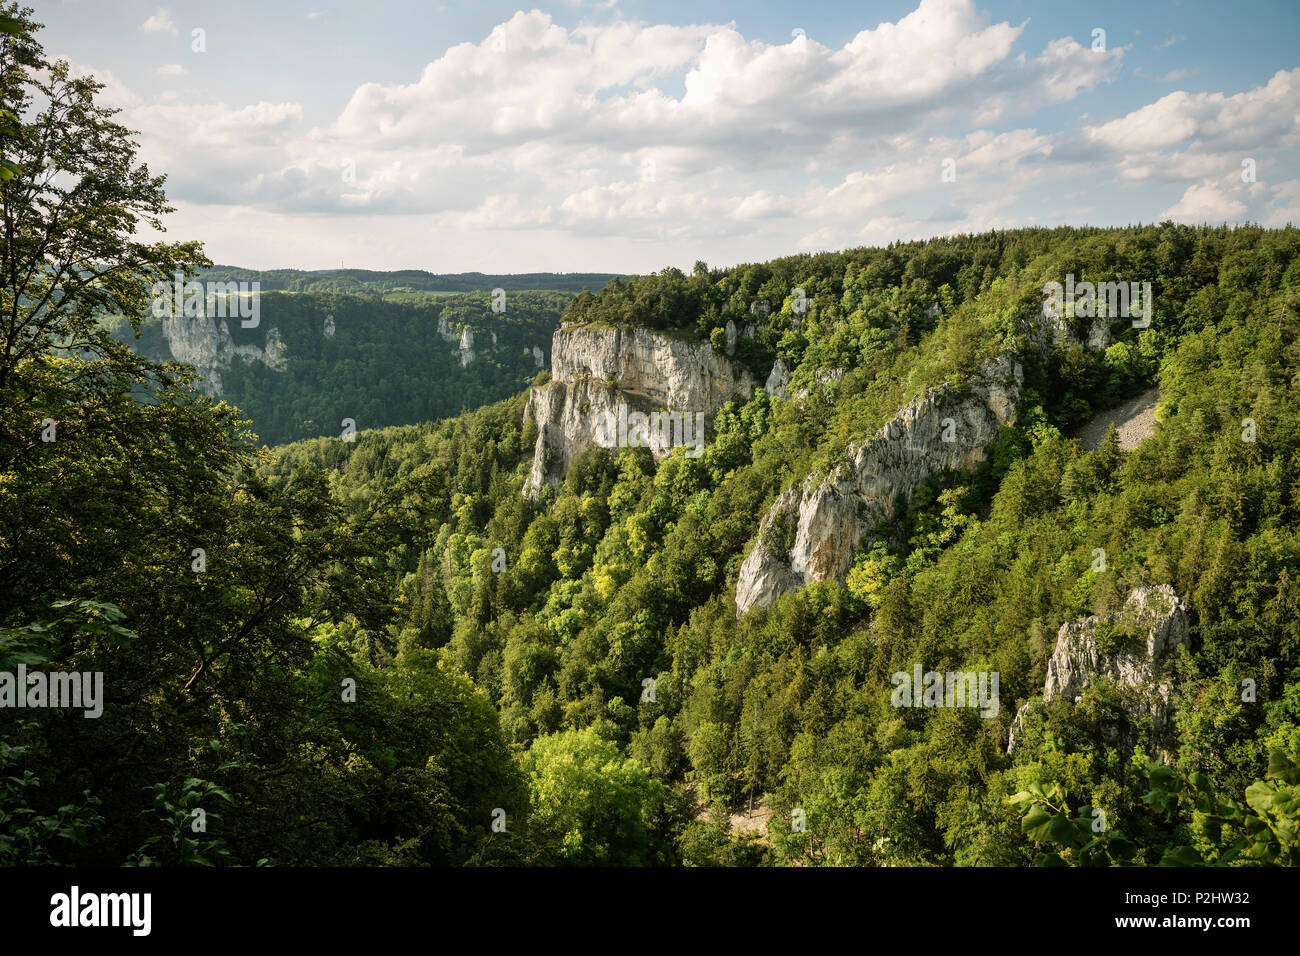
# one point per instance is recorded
(379, 358)
(415, 280)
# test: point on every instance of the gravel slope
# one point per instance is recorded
(1134, 420)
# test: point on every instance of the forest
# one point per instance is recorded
(380, 652)
(627, 570)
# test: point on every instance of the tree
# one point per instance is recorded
(601, 807)
(70, 215)
(121, 487)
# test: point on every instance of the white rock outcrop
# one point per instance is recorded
(778, 383)
(1145, 633)
(1093, 333)
(205, 342)
(812, 531)
(595, 370)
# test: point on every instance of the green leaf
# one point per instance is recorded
(1261, 795)
(1182, 856)
(1280, 767)
(1164, 778)
(1037, 823)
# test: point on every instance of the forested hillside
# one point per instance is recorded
(627, 571)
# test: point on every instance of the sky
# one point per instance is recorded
(630, 136)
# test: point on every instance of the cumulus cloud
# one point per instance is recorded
(691, 133)
(1284, 204)
(589, 108)
(1205, 202)
(1176, 135)
(160, 22)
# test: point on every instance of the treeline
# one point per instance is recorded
(366, 281)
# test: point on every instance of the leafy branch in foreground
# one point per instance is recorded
(1261, 830)
(181, 821)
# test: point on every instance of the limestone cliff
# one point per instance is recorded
(1130, 650)
(206, 343)
(812, 531)
(466, 346)
(778, 383)
(597, 370)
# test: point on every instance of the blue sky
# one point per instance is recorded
(630, 136)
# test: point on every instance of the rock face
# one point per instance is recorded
(205, 342)
(812, 531)
(822, 377)
(595, 370)
(1091, 332)
(778, 383)
(1134, 665)
(1096, 332)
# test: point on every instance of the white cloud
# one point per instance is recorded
(1192, 136)
(160, 22)
(539, 129)
(1285, 207)
(1205, 202)
(568, 118)
(171, 69)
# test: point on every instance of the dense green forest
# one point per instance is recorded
(379, 360)
(381, 652)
